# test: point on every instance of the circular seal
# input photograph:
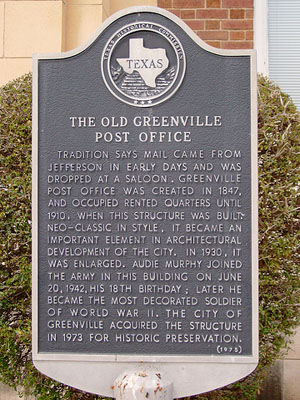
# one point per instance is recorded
(143, 64)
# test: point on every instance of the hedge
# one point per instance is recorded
(279, 239)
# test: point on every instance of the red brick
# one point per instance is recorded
(237, 3)
(188, 3)
(239, 25)
(213, 3)
(249, 35)
(237, 45)
(237, 14)
(214, 44)
(212, 25)
(249, 14)
(237, 35)
(165, 3)
(213, 35)
(196, 25)
(176, 12)
(212, 14)
(188, 14)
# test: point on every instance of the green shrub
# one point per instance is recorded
(278, 149)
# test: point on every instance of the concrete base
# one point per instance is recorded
(6, 393)
(282, 382)
(271, 389)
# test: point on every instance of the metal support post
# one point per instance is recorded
(147, 383)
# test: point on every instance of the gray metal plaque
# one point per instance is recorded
(145, 203)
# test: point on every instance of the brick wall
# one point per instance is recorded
(227, 24)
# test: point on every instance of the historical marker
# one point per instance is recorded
(145, 207)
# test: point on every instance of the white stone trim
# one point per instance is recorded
(261, 35)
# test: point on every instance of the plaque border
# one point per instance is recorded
(96, 373)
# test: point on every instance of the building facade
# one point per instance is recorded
(50, 26)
